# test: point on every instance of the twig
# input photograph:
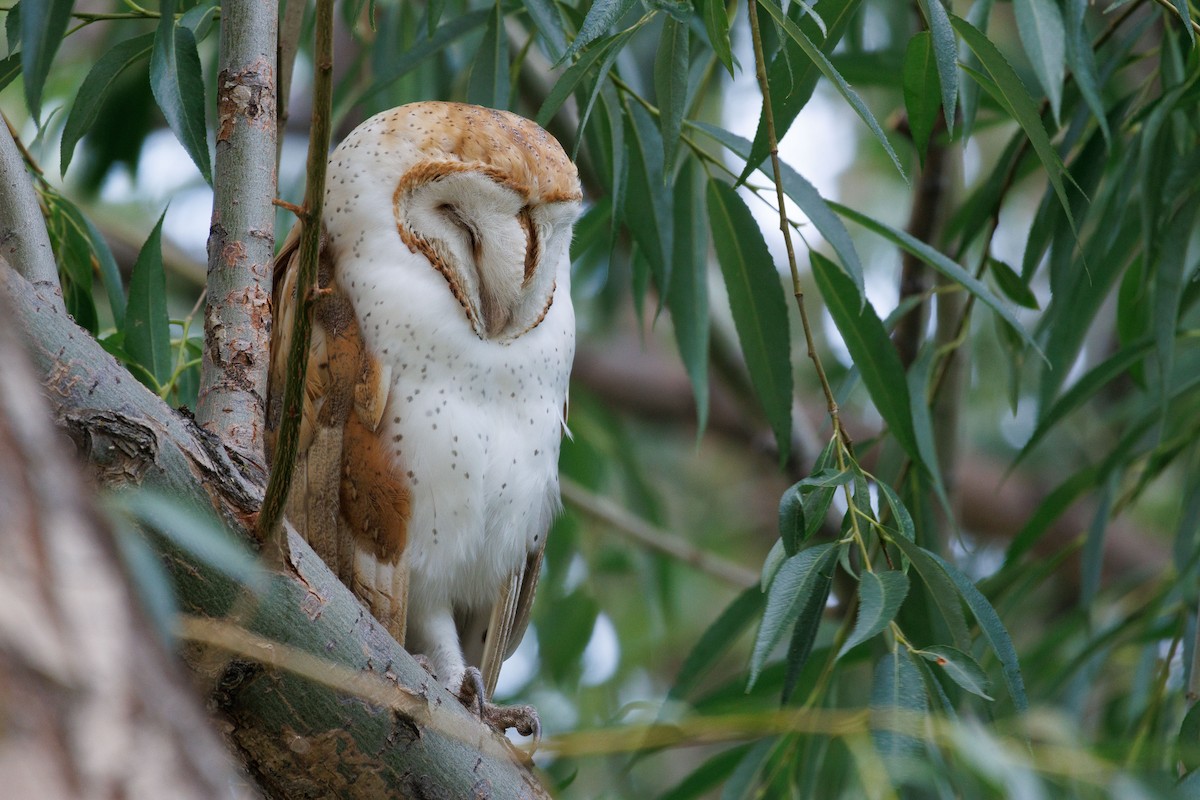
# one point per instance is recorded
(645, 534)
(309, 253)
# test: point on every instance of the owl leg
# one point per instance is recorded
(524, 719)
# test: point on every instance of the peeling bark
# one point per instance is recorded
(283, 724)
(241, 243)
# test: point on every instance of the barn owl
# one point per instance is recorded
(443, 335)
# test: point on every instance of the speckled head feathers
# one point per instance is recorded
(513, 149)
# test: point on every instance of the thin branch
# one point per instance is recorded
(309, 253)
(640, 531)
(24, 241)
(241, 242)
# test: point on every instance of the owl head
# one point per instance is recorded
(485, 197)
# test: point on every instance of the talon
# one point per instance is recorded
(471, 692)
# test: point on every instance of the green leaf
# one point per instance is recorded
(1185, 16)
(793, 79)
(178, 85)
(147, 327)
(571, 78)
(879, 597)
(796, 582)
(705, 778)
(978, 15)
(993, 630)
(198, 532)
(939, 262)
(10, 68)
(687, 295)
(648, 208)
(1011, 284)
(826, 68)
(1168, 289)
(921, 89)
(670, 87)
(43, 27)
(1008, 90)
(899, 511)
(804, 195)
(149, 577)
(600, 17)
(1082, 61)
(714, 642)
(757, 301)
(1086, 387)
(489, 85)
(771, 564)
(1189, 739)
(456, 27)
(872, 351)
(960, 668)
(95, 90)
(792, 525)
(897, 687)
(1040, 24)
(110, 274)
(716, 24)
(804, 632)
(546, 18)
(945, 54)
(941, 588)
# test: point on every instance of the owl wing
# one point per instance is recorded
(347, 499)
(510, 617)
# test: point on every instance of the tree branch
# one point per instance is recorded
(93, 705)
(288, 727)
(241, 241)
(23, 238)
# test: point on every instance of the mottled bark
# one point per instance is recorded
(93, 704)
(241, 242)
(23, 238)
(300, 737)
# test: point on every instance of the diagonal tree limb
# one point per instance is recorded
(289, 728)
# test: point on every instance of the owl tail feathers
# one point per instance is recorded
(383, 588)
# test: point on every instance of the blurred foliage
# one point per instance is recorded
(886, 652)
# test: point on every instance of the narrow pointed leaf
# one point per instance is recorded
(648, 208)
(794, 584)
(792, 525)
(489, 85)
(880, 595)
(945, 54)
(920, 81)
(804, 632)
(804, 195)
(716, 24)
(941, 589)
(1008, 90)
(978, 15)
(600, 17)
(570, 80)
(1168, 290)
(147, 326)
(1011, 284)
(757, 301)
(1185, 16)
(43, 26)
(670, 87)
(95, 90)
(941, 263)
(993, 630)
(872, 351)
(899, 512)
(1040, 24)
(687, 295)
(1082, 61)
(897, 687)
(545, 16)
(827, 69)
(960, 668)
(178, 86)
(454, 28)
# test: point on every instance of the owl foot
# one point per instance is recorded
(524, 719)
